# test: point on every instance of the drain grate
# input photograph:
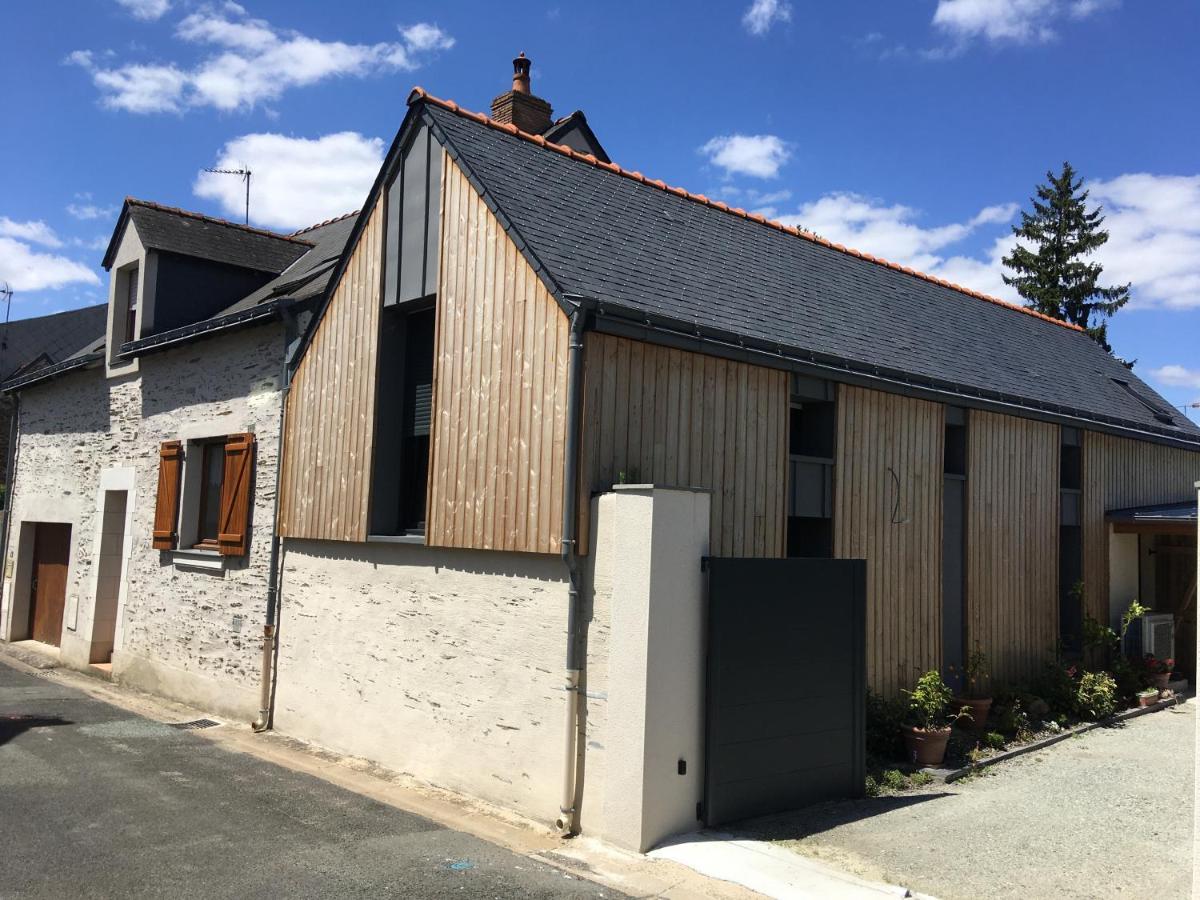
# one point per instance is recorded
(195, 725)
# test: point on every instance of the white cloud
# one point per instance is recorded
(762, 14)
(87, 211)
(146, 10)
(758, 155)
(251, 62)
(1153, 223)
(1177, 376)
(296, 181)
(34, 232)
(26, 269)
(1007, 21)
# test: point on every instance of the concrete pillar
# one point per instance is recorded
(654, 540)
(1123, 574)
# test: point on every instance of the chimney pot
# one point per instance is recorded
(521, 74)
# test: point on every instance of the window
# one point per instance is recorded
(405, 407)
(203, 498)
(1070, 541)
(812, 430)
(212, 474)
(131, 306)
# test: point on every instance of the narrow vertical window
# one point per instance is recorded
(812, 430)
(212, 473)
(954, 544)
(1070, 542)
(131, 306)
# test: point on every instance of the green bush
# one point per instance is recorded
(1056, 686)
(871, 787)
(884, 720)
(928, 702)
(1096, 696)
(993, 741)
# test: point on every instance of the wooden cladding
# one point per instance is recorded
(500, 389)
(1118, 473)
(1012, 542)
(675, 418)
(166, 505)
(888, 511)
(233, 536)
(331, 407)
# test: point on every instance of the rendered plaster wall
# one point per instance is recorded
(193, 635)
(444, 664)
(1123, 574)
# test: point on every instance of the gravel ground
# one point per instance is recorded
(1106, 814)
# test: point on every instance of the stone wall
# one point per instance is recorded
(445, 664)
(176, 632)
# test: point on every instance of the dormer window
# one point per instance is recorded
(131, 305)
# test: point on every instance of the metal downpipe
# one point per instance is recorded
(567, 823)
(266, 693)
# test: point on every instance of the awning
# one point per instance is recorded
(1165, 518)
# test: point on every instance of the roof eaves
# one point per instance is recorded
(451, 106)
(59, 368)
(208, 327)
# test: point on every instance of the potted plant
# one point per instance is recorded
(928, 711)
(1148, 697)
(976, 699)
(1160, 671)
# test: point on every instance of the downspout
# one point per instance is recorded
(567, 823)
(265, 711)
(10, 479)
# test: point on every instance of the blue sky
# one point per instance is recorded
(913, 129)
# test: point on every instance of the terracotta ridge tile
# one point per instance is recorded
(419, 93)
(326, 222)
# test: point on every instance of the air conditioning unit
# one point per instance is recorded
(1153, 635)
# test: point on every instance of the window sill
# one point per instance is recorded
(206, 560)
(396, 539)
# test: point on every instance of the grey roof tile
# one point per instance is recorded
(637, 247)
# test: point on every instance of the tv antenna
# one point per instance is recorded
(244, 174)
(7, 294)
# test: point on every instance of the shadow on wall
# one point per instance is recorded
(217, 369)
(802, 823)
(74, 403)
(381, 554)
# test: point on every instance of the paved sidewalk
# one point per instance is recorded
(1105, 814)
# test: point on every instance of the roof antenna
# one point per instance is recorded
(244, 173)
(7, 294)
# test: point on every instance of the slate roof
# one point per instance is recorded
(192, 234)
(49, 339)
(642, 248)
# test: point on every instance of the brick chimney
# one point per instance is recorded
(518, 106)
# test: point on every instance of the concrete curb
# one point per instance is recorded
(948, 775)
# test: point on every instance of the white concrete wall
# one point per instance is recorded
(1123, 586)
(444, 664)
(176, 634)
(648, 551)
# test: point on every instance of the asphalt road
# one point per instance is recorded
(97, 802)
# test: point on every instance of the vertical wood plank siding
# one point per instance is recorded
(331, 407)
(500, 389)
(677, 418)
(888, 511)
(1012, 542)
(1117, 473)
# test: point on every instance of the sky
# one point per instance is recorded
(910, 129)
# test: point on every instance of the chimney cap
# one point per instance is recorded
(521, 66)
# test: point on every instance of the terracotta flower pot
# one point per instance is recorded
(977, 711)
(1161, 679)
(926, 748)
(1147, 699)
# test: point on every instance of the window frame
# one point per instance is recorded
(207, 449)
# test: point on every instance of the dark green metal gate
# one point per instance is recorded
(786, 684)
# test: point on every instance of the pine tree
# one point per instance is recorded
(1053, 272)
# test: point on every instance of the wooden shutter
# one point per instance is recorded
(166, 507)
(233, 536)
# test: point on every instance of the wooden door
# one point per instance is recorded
(51, 552)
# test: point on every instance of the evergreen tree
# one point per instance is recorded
(1053, 273)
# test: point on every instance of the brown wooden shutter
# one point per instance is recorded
(232, 539)
(166, 508)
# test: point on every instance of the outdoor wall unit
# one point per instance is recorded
(1152, 635)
